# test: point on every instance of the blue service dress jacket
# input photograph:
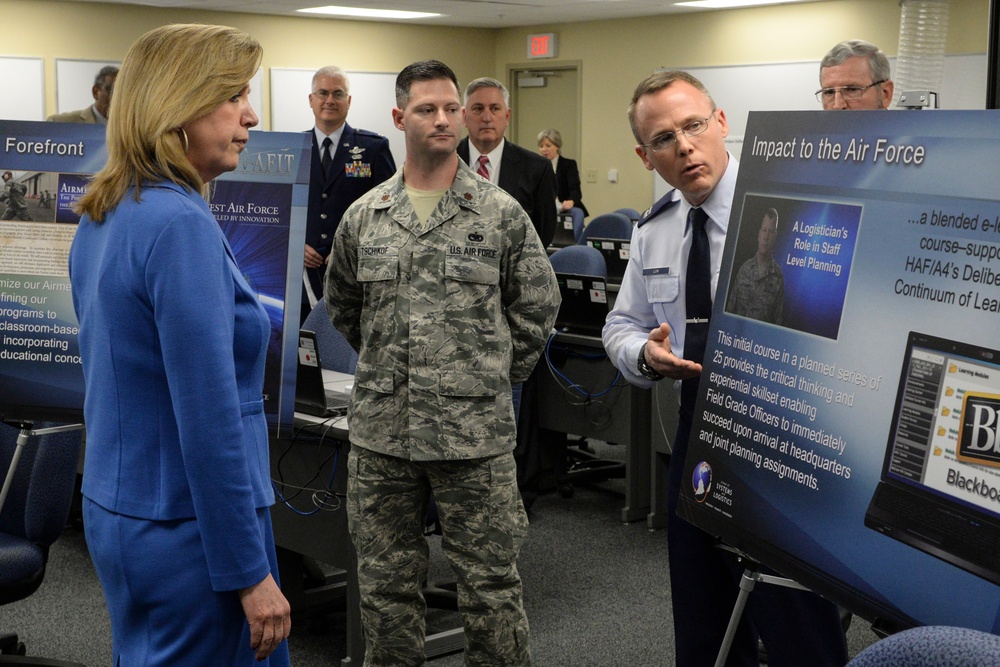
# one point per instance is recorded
(173, 342)
(362, 161)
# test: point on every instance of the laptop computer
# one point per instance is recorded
(616, 253)
(940, 485)
(318, 392)
(563, 235)
(584, 303)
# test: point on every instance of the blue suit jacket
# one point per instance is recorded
(173, 342)
(362, 161)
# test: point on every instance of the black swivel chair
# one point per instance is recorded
(586, 467)
(33, 517)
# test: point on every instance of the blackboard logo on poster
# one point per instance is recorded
(977, 437)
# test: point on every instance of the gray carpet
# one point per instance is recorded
(596, 592)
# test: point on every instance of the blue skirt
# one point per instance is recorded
(162, 606)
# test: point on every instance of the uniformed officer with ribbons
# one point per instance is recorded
(347, 162)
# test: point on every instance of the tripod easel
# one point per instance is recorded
(751, 575)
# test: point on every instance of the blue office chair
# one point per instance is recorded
(33, 517)
(335, 352)
(629, 213)
(932, 646)
(586, 467)
(607, 226)
(579, 259)
(577, 215)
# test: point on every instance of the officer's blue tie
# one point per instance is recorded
(327, 161)
(698, 298)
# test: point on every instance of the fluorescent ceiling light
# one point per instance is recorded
(727, 4)
(365, 12)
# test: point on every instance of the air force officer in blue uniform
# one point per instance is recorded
(346, 163)
(657, 330)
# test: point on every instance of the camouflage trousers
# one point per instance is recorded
(483, 524)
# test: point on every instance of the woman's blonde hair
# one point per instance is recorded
(170, 76)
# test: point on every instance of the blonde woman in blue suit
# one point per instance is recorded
(176, 480)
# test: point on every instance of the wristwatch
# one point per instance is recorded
(645, 369)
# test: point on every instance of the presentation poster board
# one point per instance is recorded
(261, 207)
(880, 373)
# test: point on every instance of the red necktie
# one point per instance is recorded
(481, 166)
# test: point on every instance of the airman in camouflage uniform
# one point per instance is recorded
(447, 302)
(13, 196)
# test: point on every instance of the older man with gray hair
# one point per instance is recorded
(347, 162)
(854, 75)
(523, 174)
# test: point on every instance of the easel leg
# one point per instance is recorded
(751, 575)
(747, 582)
(22, 440)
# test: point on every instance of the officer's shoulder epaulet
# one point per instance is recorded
(662, 204)
(366, 133)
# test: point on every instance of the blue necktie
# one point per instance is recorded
(327, 160)
(698, 297)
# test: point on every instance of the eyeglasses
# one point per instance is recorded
(691, 129)
(338, 95)
(848, 93)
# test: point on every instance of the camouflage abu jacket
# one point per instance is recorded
(445, 315)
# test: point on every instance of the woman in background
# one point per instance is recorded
(176, 479)
(567, 174)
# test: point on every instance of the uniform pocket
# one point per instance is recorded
(662, 288)
(377, 267)
(484, 270)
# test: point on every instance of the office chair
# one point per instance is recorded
(932, 646)
(33, 517)
(607, 226)
(577, 215)
(630, 213)
(579, 259)
(335, 352)
(582, 260)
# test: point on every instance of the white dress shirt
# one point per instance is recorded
(494, 165)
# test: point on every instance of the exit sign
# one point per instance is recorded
(542, 46)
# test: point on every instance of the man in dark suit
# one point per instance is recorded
(346, 163)
(523, 174)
